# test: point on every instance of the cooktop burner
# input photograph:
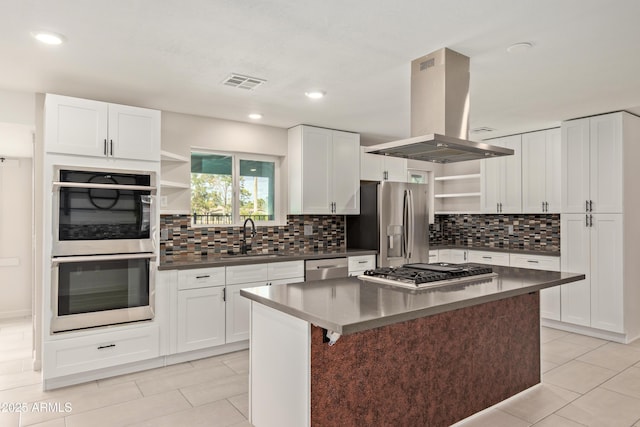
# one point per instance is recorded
(427, 275)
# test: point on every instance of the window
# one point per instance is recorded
(229, 188)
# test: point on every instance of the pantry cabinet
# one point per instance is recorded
(98, 129)
(598, 230)
(501, 179)
(541, 163)
(324, 171)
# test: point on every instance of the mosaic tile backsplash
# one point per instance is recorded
(530, 232)
(184, 240)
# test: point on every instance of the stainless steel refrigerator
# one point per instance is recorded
(393, 220)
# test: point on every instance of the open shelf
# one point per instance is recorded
(167, 156)
(452, 195)
(173, 184)
(458, 177)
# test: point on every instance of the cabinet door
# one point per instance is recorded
(490, 184)
(317, 172)
(134, 133)
(575, 298)
(575, 165)
(487, 257)
(75, 126)
(605, 185)
(371, 166)
(395, 168)
(606, 273)
(238, 310)
(458, 256)
(511, 178)
(346, 173)
(553, 170)
(534, 160)
(201, 318)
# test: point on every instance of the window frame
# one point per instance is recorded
(236, 157)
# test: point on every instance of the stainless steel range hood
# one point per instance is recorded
(439, 114)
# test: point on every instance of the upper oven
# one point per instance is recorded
(97, 211)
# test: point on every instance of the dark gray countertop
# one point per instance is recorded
(494, 249)
(222, 260)
(351, 305)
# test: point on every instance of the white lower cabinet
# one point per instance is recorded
(488, 257)
(549, 298)
(100, 350)
(454, 256)
(359, 264)
(433, 256)
(248, 276)
(201, 309)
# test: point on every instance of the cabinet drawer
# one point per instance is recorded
(536, 262)
(285, 270)
(200, 278)
(247, 273)
(433, 255)
(76, 355)
(361, 263)
(486, 257)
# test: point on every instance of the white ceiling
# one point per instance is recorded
(173, 55)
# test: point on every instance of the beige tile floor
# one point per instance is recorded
(586, 382)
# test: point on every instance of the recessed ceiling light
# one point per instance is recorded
(48, 37)
(255, 116)
(520, 47)
(315, 94)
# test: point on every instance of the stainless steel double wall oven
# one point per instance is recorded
(103, 247)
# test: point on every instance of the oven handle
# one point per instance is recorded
(61, 260)
(59, 184)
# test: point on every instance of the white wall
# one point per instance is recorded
(181, 132)
(17, 122)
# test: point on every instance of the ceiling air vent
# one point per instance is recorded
(243, 82)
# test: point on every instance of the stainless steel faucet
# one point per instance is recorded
(244, 247)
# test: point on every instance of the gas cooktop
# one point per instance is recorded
(416, 276)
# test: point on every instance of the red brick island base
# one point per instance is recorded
(432, 371)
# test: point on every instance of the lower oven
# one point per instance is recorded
(99, 290)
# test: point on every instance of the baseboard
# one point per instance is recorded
(584, 330)
(173, 359)
(15, 314)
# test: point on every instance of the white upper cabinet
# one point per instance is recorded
(324, 172)
(501, 179)
(592, 164)
(374, 167)
(99, 129)
(541, 163)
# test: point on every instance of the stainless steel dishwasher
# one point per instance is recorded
(321, 269)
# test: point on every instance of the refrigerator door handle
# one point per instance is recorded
(405, 224)
(411, 228)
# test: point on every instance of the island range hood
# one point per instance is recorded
(439, 114)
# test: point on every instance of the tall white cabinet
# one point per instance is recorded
(598, 226)
(324, 171)
(541, 165)
(501, 179)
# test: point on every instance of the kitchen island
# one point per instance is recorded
(397, 356)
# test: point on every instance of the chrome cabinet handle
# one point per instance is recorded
(590, 220)
(590, 205)
(111, 147)
(497, 207)
(542, 206)
(586, 220)
(203, 277)
(532, 261)
(105, 147)
(586, 206)
(546, 205)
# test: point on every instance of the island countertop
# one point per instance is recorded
(350, 305)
